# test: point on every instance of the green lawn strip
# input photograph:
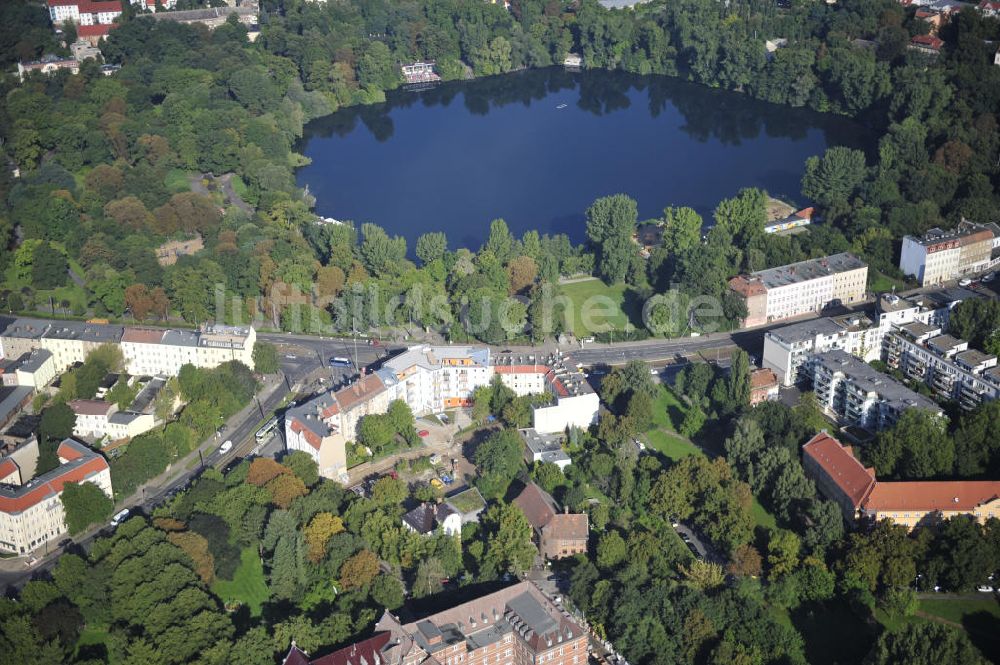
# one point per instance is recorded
(579, 293)
(880, 283)
(761, 517)
(957, 609)
(92, 636)
(248, 585)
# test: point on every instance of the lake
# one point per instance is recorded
(537, 147)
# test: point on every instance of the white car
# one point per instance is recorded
(226, 446)
(964, 282)
(984, 589)
(989, 277)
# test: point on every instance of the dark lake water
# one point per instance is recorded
(462, 154)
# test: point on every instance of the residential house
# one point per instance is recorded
(35, 369)
(557, 534)
(989, 8)
(429, 517)
(91, 417)
(926, 44)
(838, 474)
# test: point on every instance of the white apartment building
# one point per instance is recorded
(84, 12)
(800, 288)
(941, 256)
(944, 363)
(31, 512)
(786, 349)
(147, 351)
(91, 417)
(431, 379)
(853, 392)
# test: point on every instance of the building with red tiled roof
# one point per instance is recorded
(558, 534)
(842, 478)
(918, 503)
(838, 474)
(926, 44)
(31, 512)
(517, 625)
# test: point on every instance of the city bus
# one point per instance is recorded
(266, 430)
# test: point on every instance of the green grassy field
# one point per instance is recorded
(613, 300)
(248, 585)
(958, 609)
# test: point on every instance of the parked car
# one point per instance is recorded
(226, 446)
(436, 484)
(119, 517)
(989, 277)
(984, 589)
(964, 282)
(446, 479)
(422, 433)
(435, 459)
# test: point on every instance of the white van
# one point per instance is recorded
(226, 446)
(119, 517)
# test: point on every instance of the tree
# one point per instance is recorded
(387, 591)
(611, 550)
(746, 562)
(431, 247)
(782, 553)
(381, 254)
(916, 447)
(693, 421)
(49, 267)
(508, 545)
(924, 643)
(703, 575)
(57, 423)
(285, 488)
(265, 358)
(318, 532)
(427, 580)
(835, 177)
(498, 460)
(302, 465)
(359, 570)
(85, 504)
(522, 272)
(681, 229)
(196, 547)
(611, 221)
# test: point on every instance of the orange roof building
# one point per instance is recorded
(842, 478)
(31, 511)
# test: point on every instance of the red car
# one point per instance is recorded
(422, 433)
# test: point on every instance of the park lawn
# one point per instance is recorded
(93, 636)
(832, 632)
(579, 293)
(248, 585)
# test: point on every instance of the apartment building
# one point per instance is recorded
(84, 12)
(432, 379)
(944, 363)
(941, 256)
(800, 288)
(48, 65)
(517, 625)
(147, 351)
(853, 392)
(786, 349)
(31, 512)
(840, 477)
